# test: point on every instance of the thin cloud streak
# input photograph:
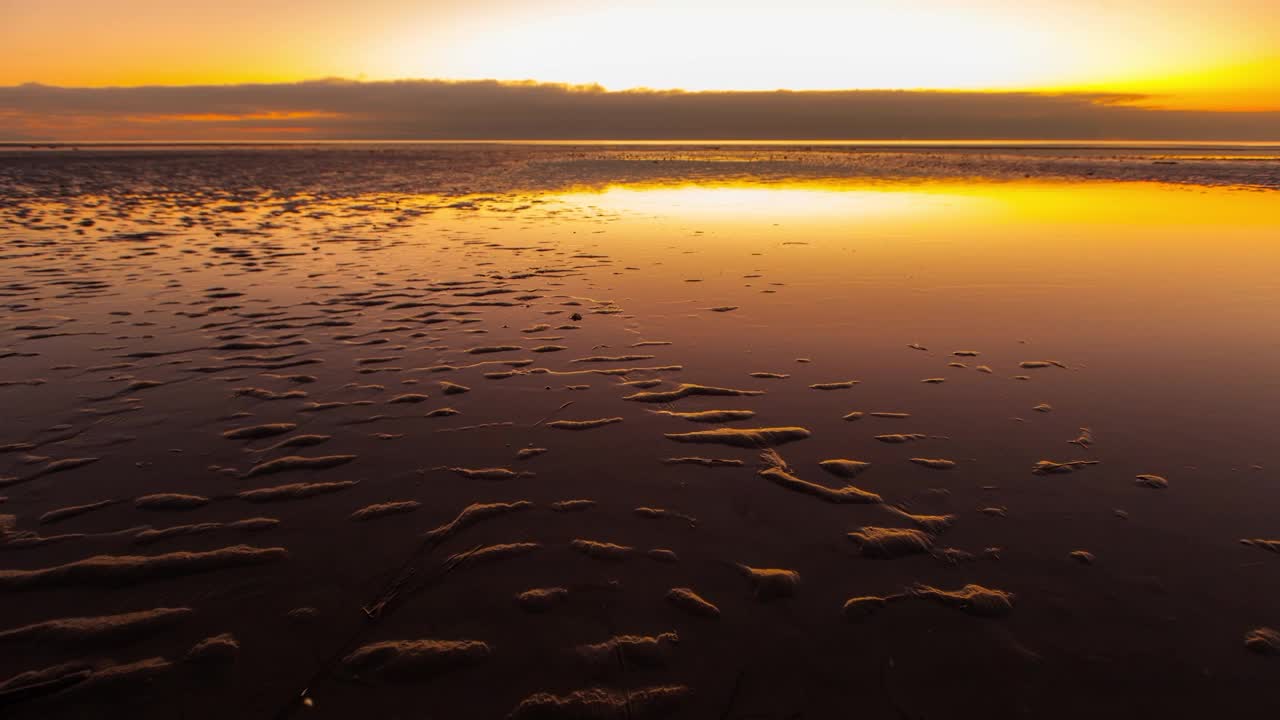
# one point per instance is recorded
(491, 110)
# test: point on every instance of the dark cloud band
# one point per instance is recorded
(432, 109)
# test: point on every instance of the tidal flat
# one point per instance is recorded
(591, 431)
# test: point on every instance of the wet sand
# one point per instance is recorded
(493, 432)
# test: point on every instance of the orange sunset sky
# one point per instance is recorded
(1180, 66)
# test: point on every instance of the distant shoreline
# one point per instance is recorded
(457, 169)
(1007, 144)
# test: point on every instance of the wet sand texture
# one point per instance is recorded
(652, 431)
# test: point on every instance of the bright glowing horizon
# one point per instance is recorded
(1183, 54)
(566, 69)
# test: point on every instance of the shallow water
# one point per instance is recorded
(1147, 311)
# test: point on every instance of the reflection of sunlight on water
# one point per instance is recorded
(953, 202)
(799, 201)
(1012, 250)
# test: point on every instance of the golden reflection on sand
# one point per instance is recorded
(794, 425)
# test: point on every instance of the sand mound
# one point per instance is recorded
(612, 358)
(493, 553)
(123, 569)
(878, 542)
(370, 512)
(66, 513)
(254, 524)
(409, 660)
(651, 703)
(692, 603)
(972, 599)
(934, 463)
(294, 491)
(746, 438)
(51, 468)
(473, 514)
(602, 550)
(541, 599)
(583, 424)
(899, 438)
(265, 394)
(259, 431)
(839, 385)
(844, 468)
(298, 462)
(217, 649)
(47, 681)
(932, 524)
(953, 556)
(323, 406)
(170, 501)
(104, 627)
(1152, 481)
(1272, 545)
(1263, 640)
(630, 650)
(298, 441)
(684, 390)
(1049, 467)
(709, 416)
(146, 537)
(408, 399)
(1084, 557)
(651, 513)
(489, 473)
(846, 494)
(122, 678)
(857, 608)
(771, 583)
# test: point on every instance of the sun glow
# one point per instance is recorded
(754, 48)
(1186, 59)
(800, 202)
(1187, 53)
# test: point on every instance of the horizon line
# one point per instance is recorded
(846, 142)
(1093, 91)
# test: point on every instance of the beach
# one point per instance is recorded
(639, 431)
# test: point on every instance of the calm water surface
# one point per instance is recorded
(1156, 304)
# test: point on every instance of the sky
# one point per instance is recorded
(1144, 69)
